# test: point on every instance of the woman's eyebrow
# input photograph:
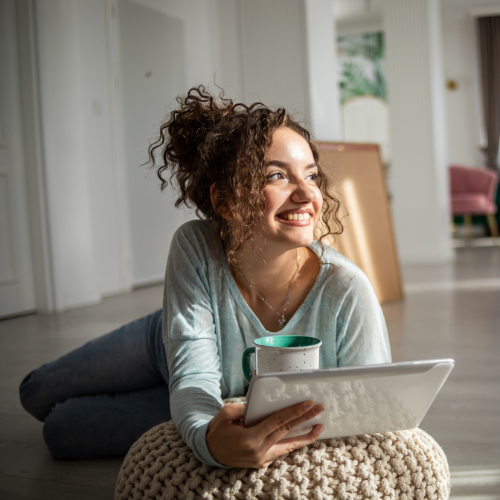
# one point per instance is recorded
(277, 163)
(284, 164)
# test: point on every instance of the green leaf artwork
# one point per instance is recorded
(361, 64)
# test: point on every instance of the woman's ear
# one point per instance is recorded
(224, 210)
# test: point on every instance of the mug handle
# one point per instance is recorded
(245, 362)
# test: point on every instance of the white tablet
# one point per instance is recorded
(357, 400)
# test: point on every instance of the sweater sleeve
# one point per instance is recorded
(191, 344)
(362, 337)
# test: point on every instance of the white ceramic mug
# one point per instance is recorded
(282, 353)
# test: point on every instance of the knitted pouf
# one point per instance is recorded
(394, 465)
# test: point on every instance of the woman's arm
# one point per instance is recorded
(362, 337)
(191, 344)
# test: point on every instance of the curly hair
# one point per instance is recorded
(208, 141)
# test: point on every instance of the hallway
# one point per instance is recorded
(449, 311)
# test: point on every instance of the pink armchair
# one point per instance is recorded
(473, 192)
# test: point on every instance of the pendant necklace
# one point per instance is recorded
(281, 320)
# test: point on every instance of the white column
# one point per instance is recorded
(418, 118)
(324, 108)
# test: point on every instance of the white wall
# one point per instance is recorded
(229, 40)
(275, 63)
(92, 220)
(102, 237)
(181, 45)
(93, 217)
(418, 122)
(87, 240)
(152, 76)
(288, 59)
(64, 150)
(203, 21)
(464, 106)
(110, 237)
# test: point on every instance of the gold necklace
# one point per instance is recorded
(281, 320)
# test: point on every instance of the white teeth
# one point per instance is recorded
(305, 216)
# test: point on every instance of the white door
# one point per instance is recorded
(152, 61)
(16, 280)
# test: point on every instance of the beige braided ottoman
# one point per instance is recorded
(402, 465)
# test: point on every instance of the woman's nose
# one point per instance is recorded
(303, 193)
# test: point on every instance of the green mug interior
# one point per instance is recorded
(284, 341)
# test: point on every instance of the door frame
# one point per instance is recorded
(34, 158)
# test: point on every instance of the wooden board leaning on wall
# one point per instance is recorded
(368, 239)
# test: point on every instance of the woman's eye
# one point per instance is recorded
(312, 177)
(276, 176)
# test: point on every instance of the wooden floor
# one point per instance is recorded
(449, 311)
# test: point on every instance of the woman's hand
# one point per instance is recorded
(234, 445)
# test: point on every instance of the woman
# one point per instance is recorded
(249, 268)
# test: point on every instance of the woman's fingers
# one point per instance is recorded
(315, 429)
(290, 444)
(232, 412)
(278, 434)
(282, 419)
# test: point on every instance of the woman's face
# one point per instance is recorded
(293, 200)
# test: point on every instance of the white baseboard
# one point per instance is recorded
(114, 289)
(154, 279)
(81, 299)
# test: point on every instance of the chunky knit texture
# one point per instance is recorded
(404, 465)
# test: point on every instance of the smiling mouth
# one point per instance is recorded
(304, 216)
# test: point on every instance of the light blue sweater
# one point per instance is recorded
(207, 325)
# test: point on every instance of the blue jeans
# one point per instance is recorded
(99, 399)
